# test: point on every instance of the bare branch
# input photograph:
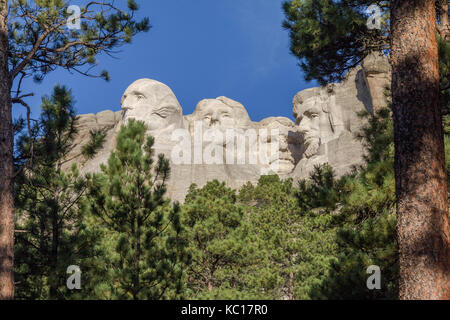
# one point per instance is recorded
(23, 103)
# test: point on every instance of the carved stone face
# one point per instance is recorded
(289, 143)
(221, 113)
(215, 115)
(154, 103)
(316, 117)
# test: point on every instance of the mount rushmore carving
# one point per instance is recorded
(201, 148)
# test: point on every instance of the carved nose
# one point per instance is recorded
(283, 145)
(127, 104)
(303, 128)
(214, 119)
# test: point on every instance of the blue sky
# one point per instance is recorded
(201, 49)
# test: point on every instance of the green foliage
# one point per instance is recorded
(52, 234)
(370, 242)
(320, 191)
(269, 241)
(217, 232)
(367, 221)
(95, 144)
(47, 198)
(40, 41)
(311, 242)
(444, 73)
(256, 245)
(331, 37)
(297, 246)
(146, 253)
(377, 136)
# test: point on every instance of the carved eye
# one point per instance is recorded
(225, 115)
(311, 115)
(140, 96)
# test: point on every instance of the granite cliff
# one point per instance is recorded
(220, 141)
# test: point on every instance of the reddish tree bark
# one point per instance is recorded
(6, 166)
(421, 188)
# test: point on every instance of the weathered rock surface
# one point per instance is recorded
(326, 123)
(377, 73)
(328, 120)
(108, 122)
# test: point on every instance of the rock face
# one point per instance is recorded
(378, 76)
(327, 118)
(219, 140)
(105, 120)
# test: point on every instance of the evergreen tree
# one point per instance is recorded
(365, 218)
(35, 40)
(51, 234)
(331, 37)
(444, 71)
(423, 228)
(320, 190)
(297, 246)
(220, 246)
(147, 253)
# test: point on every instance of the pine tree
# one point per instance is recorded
(444, 71)
(35, 40)
(330, 37)
(421, 184)
(367, 221)
(219, 244)
(320, 190)
(51, 234)
(296, 245)
(147, 252)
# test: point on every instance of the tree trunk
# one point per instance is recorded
(6, 166)
(421, 189)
